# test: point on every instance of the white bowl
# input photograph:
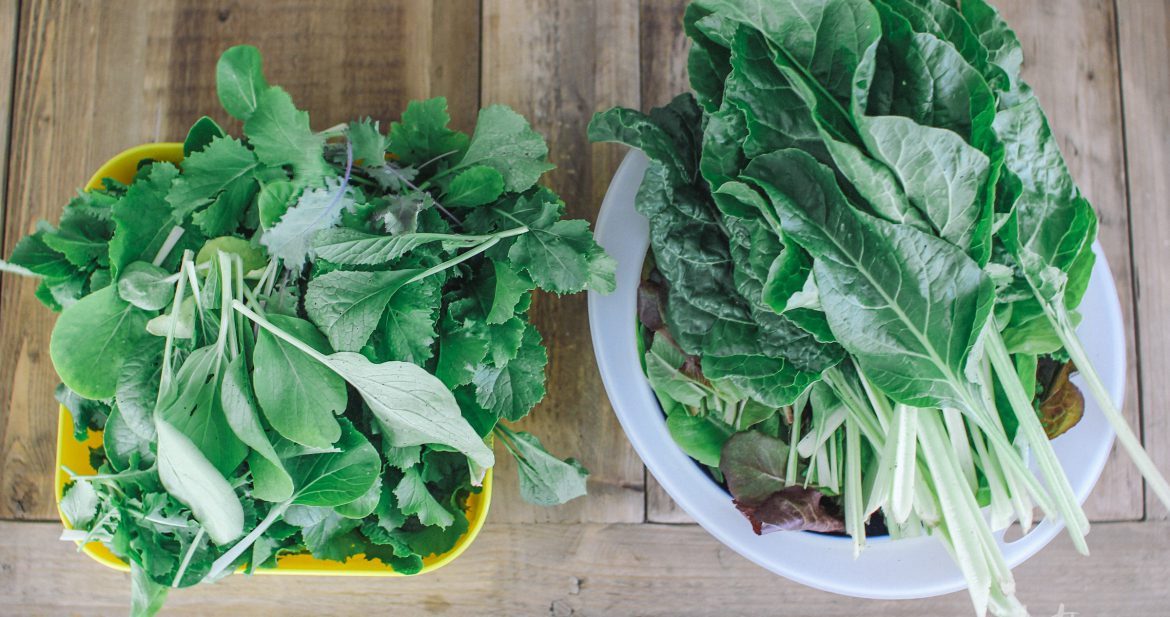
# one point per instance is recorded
(911, 568)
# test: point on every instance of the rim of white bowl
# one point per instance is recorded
(903, 569)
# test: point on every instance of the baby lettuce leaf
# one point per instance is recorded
(794, 508)
(753, 464)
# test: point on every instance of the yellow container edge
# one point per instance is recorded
(75, 454)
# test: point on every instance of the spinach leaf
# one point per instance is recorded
(239, 81)
(298, 395)
(192, 479)
(92, 339)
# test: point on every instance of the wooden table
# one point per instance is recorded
(81, 80)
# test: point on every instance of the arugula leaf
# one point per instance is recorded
(32, 253)
(280, 135)
(82, 233)
(350, 247)
(512, 390)
(221, 164)
(414, 499)
(369, 144)
(406, 331)
(335, 477)
(327, 534)
(79, 504)
(87, 414)
(348, 306)
(463, 346)
(544, 479)
(504, 141)
(505, 284)
(143, 221)
(422, 134)
(475, 186)
(201, 134)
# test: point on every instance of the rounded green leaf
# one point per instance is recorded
(91, 340)
(299, 395)
(239, 80)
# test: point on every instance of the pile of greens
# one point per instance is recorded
(868, 254)
(303, 341)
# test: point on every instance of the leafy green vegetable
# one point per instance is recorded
(867, 252)
(544, 479)
(93, 338)
(187, 475)
(267, 334)
(299, 396)
(239, 81)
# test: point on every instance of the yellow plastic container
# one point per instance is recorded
(75, 455)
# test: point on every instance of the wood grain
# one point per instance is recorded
(660, 506)
(1070, 58)
(8, 20)
(557, 62)
(585, 570)
(96, 78)
(1144, 29)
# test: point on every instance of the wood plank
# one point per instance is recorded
(1070, 59)
(585, 570)
(1144, 28)
(660, 507)
(94, 79)
(9, 15)
(557, 62)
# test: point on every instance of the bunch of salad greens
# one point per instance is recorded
(868, 254)
(302, 341)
